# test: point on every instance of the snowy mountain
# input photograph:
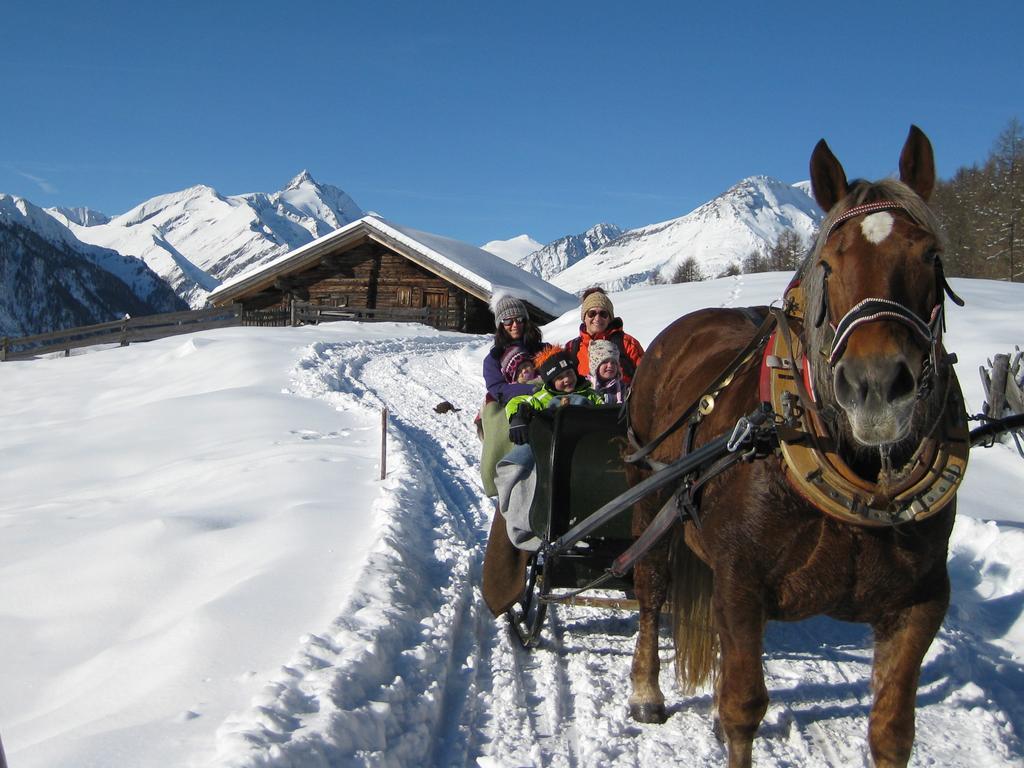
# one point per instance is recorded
(514, 249)
(196, 238)
(749, 216)
(87, 217)
(50, 280)
(561, 254)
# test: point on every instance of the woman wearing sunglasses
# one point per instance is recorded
(598, 321)
(513, 328)
(504, 570)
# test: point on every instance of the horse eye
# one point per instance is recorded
(826, 267)
(931, 256)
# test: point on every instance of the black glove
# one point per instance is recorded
(519, 425)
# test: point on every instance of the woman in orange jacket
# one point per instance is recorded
(598, 321)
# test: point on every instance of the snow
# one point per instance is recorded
(514, 249)
(53, 227)
(722, 232)
(202, 568)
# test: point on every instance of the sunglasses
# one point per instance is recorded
(598, 313)
(508, 323)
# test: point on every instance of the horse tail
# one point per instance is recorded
(693, 634)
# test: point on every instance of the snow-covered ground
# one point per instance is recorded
(203, 568)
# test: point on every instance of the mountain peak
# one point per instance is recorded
(303, 177)
(749, 216)
(563, 253)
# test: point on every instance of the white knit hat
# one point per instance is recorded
(599, 351)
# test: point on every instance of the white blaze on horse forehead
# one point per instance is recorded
(877, 226)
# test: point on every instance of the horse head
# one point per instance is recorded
(874, 288)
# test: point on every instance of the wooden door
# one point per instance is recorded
(436, 302)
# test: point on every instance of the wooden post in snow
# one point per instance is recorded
(383, 443)
(997, 391)
(124, 332)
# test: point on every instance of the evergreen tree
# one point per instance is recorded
(689, 271)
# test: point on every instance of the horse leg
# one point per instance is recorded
(650, 583)
(742, 695)
(901, 642)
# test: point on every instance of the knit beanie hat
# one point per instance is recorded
(553, 362)
(595, 298)
(512, 360)
(506, 307)
(599, 351)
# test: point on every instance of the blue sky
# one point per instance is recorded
(484, 120)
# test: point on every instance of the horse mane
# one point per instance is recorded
(812, 282)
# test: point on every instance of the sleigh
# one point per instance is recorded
(578, 452)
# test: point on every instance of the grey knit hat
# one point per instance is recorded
(507, 307)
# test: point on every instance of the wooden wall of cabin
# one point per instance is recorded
(371, 276)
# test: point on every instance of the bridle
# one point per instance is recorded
(927, 333)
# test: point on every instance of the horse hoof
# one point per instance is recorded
(648, 713)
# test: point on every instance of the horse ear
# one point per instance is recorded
(828, 179)
(917, 163)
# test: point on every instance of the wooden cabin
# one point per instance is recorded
(374, 269)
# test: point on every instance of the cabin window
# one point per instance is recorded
(435, 299)
(404, 297)
(332, 300)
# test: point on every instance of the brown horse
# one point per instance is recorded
(760, 550)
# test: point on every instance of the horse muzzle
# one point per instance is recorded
(878, 395)
(877, 386)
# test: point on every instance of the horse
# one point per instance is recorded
(757, 546)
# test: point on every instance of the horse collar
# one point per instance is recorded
(820, 475)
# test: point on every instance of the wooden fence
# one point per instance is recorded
(122, 332)
(152, 327)
(304, 313)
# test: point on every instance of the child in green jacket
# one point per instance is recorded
(515, 473)
(557, 369)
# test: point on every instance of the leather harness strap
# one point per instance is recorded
(704, 404)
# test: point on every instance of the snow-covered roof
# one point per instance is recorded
(473, 269)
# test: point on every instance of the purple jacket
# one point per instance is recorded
(497, 388)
